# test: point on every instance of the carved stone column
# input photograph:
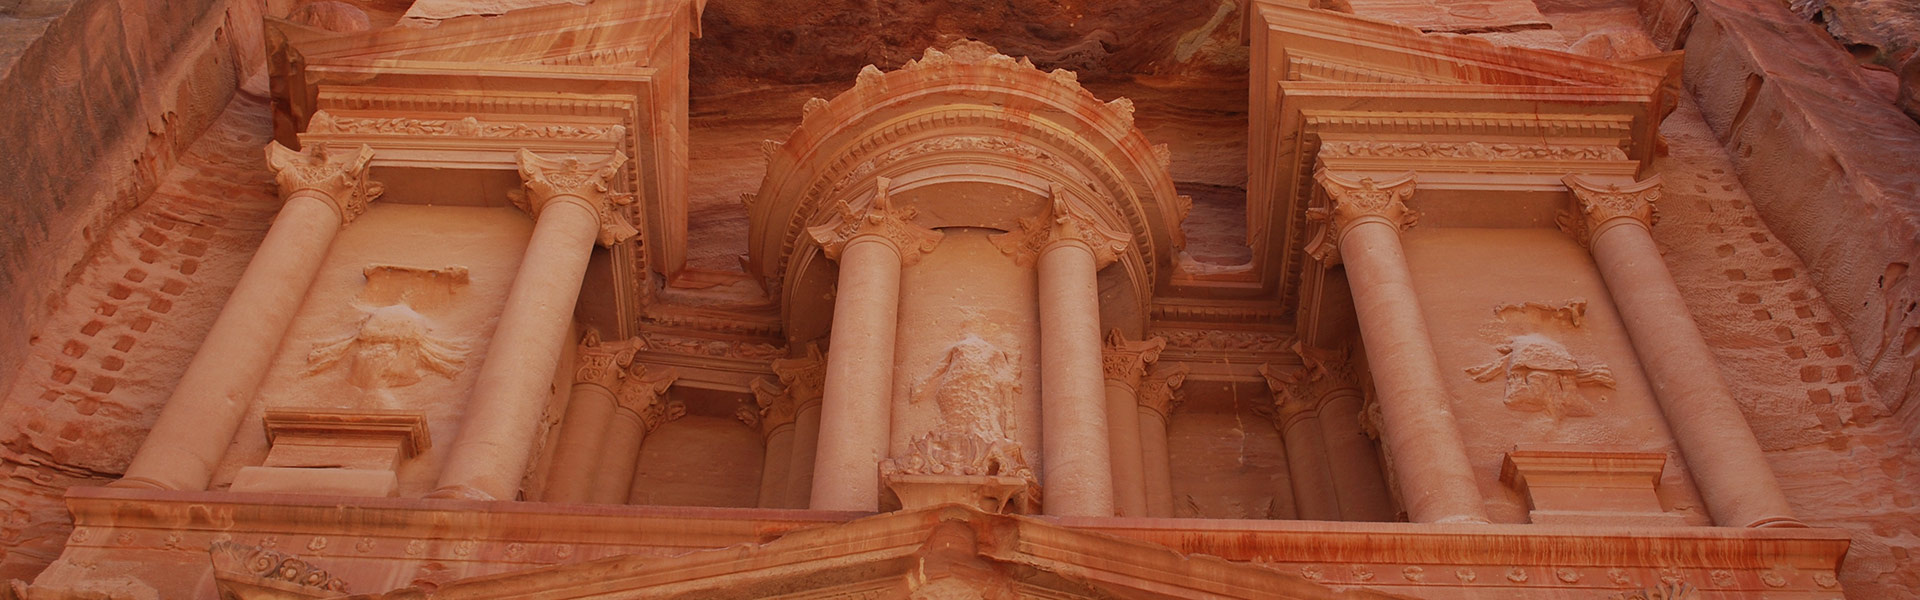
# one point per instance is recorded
(1351, 455)
(590, 408)
(776, 419)
(204, 412)
(1158, 398)
(1071, 245)
(573, 206)
(1726, 460)
(872, 243)
(1125, 362)
(1364, 225)
(1297, 416)
(641, 410)
(804, 378)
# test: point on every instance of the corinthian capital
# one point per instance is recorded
(604, 363)
(777, 408)
(1356, 201)
(804, 378)
(545, 181)
(1597, 205)
(339, 180)
(878, 217)
(641, 394)
(1160, 390)
(1067, 222)
(1126, 361)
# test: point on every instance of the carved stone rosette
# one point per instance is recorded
(340, 181)
(1355, 201)
(1159, 392)
(877, 218)
(1126, 361)
(1067, 221)
(588, 185)
(1596, 206)
(641, 392)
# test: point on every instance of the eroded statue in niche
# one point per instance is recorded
(1542, 376)
(393, 347)
(974, 390)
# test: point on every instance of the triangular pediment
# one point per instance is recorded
(948, 551)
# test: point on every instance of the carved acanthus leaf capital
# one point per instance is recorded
(1066, 221)
(1159, 392)
(1297, 391)
(1595, 205)
(339, 180)
(641, 392)
(604, 363)
(878, 217)
(589, 185)
(776, 407)
(1355, 201)
(1126, 361)
(804, 377)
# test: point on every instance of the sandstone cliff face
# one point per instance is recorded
(1788, 224)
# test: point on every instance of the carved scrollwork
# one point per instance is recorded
(878, 217)
(231, 560)
(1067, 221)
(1126, 361)
(1595, 205)
(641, 391)
(1665, 591)
(339, 180)
(589, 185)
(604, 363)
(1355, 201)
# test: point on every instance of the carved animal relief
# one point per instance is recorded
(1543, 376)
(393, 347)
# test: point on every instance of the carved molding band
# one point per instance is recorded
(325, 122)
(1356, 201)
(878, 218)
(589, 185)
(341, 181)
(1597, 206)
(1066, 222)
(1467, 150)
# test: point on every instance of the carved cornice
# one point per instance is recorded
(340, 181)
(1599, 206)
(1126, 361)
(878, 218)
(604, 363)
(1159, 392)
(588, 185)
(258, 567)
(1066, 222)
(640, 394)
(1356, 201)
(804, 377)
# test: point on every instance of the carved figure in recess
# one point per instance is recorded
(393, 347)
(974, 390)
(1542, 376)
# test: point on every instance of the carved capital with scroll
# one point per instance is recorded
(804, 377)
(777, 409)
(1598, 206)
(1066, 222)
(1355, 201)
(339, 180)
(641, 395)
(1159, 391)
(879, 219)
(589, 185)
(604, 363)
(1126, 361)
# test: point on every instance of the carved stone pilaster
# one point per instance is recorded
(1159, 390)
(1356, 201)
(878, 217)
(1126, 361)
(341, 181)
(776, 406)
(589, 185)
(604, 363)
(1598, 205)
(641, 393)
(1067, 222)
(804, 378)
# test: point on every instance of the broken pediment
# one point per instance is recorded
(940, 552)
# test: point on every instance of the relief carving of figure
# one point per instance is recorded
(1542, 376)
(393, 347)
(974, 390)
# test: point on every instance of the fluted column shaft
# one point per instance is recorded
(1725, 458)
(207, 406)
(1436, 478)
(496, 438)
(1078, 476)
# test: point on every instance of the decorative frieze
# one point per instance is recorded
(1066, 221)
(587, 184)
(878, 217)
(1596, 204)
(341, 181)
(326, 122)
(1466, 150)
